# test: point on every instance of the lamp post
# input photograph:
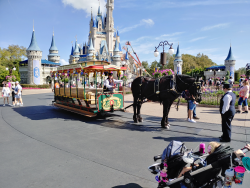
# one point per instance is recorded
(138, 71)
(143, 71)
(192, 68)
(163, 54)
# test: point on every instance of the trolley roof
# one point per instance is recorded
(91, 66)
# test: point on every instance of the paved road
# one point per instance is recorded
(42, 146)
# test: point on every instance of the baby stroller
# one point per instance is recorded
(205, 175)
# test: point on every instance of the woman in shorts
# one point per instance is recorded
(6, 94)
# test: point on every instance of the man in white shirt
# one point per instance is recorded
(91, 85)
(227, 110)
(231, 81)
(18, 94)
(110, 83)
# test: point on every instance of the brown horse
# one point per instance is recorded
(169, 90)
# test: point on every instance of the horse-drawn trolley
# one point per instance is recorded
(79, 88)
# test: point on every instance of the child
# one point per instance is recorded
(6, 94)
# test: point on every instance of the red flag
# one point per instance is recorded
(128, 43)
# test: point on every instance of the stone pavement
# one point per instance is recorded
(42, 146)
(206, 114)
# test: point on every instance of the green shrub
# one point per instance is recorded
(46, 86)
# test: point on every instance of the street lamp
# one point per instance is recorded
(138, 70)
(192, 68)
(163, 54)
(7, 68)
(14, 68)
(123, 63)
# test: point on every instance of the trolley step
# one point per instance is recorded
(75, 110)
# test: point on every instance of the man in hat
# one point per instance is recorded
(110, 83)
(227, 110)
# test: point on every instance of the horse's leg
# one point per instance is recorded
(163, 121)
(139, 111)
(166, 119)
(134, 106)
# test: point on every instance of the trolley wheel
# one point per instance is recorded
(102, 114)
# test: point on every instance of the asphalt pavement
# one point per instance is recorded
(43, 146)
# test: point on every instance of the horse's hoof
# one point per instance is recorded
(140, 120)
(135, 121)
(168, 125)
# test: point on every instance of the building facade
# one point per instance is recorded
(36, 70)
(103, 41)
(221, 71)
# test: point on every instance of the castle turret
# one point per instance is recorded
(34, 55)
(110, 25)
(93, 34)
(53, 52)
(76, 54)
(91, 21)
(116, 57)
(178, 62)
(230, 63)
(91, 50)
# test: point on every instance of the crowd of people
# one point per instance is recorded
(16, 94)
(227, 103)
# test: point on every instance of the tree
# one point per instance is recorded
(145, 64)
(241, 71)
(10, 57)
(248, 73)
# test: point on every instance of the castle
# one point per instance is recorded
(221, 71)
(36, 70)
(103, 45)
(103, 41)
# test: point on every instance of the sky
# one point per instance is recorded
(205, 26)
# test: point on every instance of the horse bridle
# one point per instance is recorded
(194, 84)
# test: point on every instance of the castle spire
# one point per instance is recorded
(91, 14)
(53, 44)
(76, 47)
(33, 44)
(116, 46)
(230, 55)
(91, 47)
(126, 57)
(72, 51)
(178, 54)
(99, 9)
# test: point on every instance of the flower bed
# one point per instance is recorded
(213, 97)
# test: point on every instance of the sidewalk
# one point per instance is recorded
(33, 91)
(206, 114)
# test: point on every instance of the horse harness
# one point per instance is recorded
(172, 89)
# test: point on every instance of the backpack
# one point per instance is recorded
(210, 81)
(174, 148)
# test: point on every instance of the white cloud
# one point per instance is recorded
(63, 62)
(148, 22)
(198, 38)
(223, 25)
(177, 4)
(168, 35)
(86, 5)
(143, 22)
